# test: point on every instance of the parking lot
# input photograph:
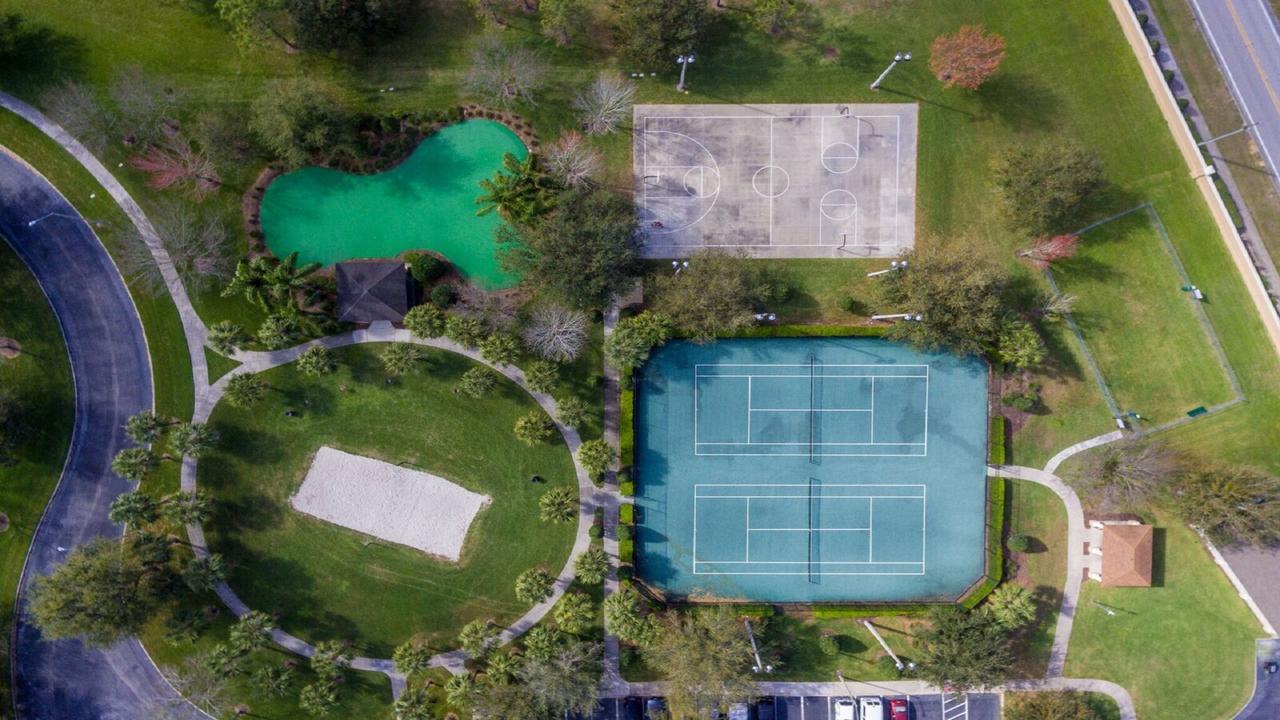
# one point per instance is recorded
(984, 706)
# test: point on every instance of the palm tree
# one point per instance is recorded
(250, 631)
(246, 389)
(519, 192)
(203, 574)
(133, 463)
(252, 279)
(187, 508)
(146, 427)
(287, 276)
(274, 680)
(194, 439)
(134, 509)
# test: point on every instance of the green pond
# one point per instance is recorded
(427, 202)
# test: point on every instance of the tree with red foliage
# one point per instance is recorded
(967, 57)
(1048, 250)
(174, 162)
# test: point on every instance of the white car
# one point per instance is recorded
(844, 709)
(870, 708)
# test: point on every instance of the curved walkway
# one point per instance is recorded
(65, 679)
(589, 497)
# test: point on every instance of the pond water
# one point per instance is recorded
(427, 202)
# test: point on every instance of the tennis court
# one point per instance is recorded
(801, 470)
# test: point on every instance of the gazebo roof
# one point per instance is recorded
(373, 290)
(1126, 555)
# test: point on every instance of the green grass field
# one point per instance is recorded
(1036, 512)
(39, 383)
(1185, 643)
(1134, 315)
(331, 583)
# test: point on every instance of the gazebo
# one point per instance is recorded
(373, 290)
(1123, 550)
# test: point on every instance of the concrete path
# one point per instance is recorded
(254, 362)
(1061, 457)
(65, 680)
(1075, 556)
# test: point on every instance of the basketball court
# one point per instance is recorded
(787, 181)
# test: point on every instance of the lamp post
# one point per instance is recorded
(46, 216)
(685, 60)
(897, 58)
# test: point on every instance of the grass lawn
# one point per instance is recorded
(1133, 314)
(1185, 643)
(219, 364)
(795, 639)
(39, 384)
(1036, 512)
(331, 583)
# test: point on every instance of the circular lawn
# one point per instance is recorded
(327, 582)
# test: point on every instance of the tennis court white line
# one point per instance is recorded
(805, 365)
(817, 444)
(822, 485)
(805, 410)
(805, 562)
(806, 375)
(751, 529)
(825, 454)
(647, 118)
(805, 497)
(873, 409)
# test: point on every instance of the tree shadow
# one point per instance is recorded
(1159, 547)
(1020, 102)
(35, 57)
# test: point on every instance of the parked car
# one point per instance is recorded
(765, 709)
(844, 709)
(898, 709)
(870, 707)
(630, 709)
(1272, 668)
(655, 709)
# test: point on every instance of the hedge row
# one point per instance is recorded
(626, 514)
(832, 612)
(811, 331)
(997, 451)
(626, 551)
(627, 421)
(996, 491)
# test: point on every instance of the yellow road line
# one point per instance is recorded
(1253, 55)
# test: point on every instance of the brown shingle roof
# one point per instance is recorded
(1126, 555)
(371, 290)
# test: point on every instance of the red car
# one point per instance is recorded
(898, 709)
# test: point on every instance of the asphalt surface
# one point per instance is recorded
(1265, 703)
(66, 680)
(982, 706)
(1245, 38)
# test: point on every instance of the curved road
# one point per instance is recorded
(65, 680)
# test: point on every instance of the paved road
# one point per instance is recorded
(65, 680)
(1265, 703)
(1245, 37)
(982, 706)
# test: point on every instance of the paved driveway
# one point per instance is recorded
(65, 680)
(923, 707)
(1265, 703)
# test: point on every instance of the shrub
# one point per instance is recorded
(465, 331)
(627, 513)
(558, 505)
(592, 566)
(850, 304)
(1024, 400)
(1011, 605)
(500, 348)
(534, 585)
(555, 333)
(316, 361)
(837, 612)
(1155, 46)
(596, 532)
(575, 613)
(595, 457)
(829, 645)
(626, 551)
(626, 532)
(541, 376)
(425, 321)
(625, 573)
(534, 428)
(1183, 104)
(477, 382)
(442, 296)
(997, 451)
(426, 269)
(1018, 543)
(572, 411)
(400, 358)
(1169, 76)
(627, 488)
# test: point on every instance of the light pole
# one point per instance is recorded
(685, 61)
(759, 666)
(897, 58)
(46, 216)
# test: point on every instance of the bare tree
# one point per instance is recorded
(606, 103)
(76, 107)
(967, 57)
(496, 311)
(197, 243)
(555, 333)
(1125, 475)
(505, 72)
(1056, 306)
(572, 160)
(1047, 250)
(199, 683)
(145, 105)
(173, 162)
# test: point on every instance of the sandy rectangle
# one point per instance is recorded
(389, 502)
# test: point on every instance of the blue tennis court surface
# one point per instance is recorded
(802, 470)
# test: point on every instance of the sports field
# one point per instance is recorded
(788, 181)
(796, 470)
